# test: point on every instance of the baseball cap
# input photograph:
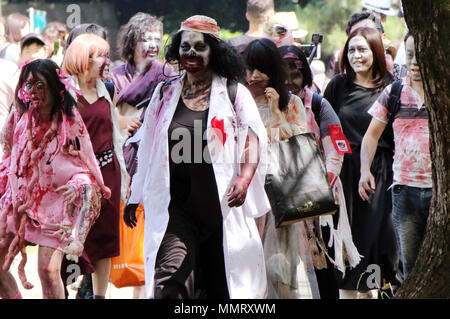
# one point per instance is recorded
(31, 36)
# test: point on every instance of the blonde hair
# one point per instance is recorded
(83, 47)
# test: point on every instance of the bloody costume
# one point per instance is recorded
(43, 153)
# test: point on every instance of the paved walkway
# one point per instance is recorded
(36, 292)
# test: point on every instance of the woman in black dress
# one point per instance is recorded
(352, 93)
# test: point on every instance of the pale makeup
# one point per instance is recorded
(411, 61)
(99, 67)
(360, 55)
(194, 51)
(147, 49)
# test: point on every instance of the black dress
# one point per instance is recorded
(370, 221)
(190, 262)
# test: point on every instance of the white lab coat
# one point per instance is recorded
(243, 251)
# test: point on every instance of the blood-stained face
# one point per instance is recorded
(147, 48)
(194, 52)
(99, 66)
(36, 90)
(257, 82)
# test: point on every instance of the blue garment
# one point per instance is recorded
(410, 207)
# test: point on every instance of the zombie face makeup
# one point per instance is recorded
(257, 82)
(100, 66)
(411, 61)
(35, 91)
(147, 48)
(360, 55)
(194, 52)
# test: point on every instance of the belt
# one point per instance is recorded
(104, 158)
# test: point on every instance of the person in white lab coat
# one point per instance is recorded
(200, 175)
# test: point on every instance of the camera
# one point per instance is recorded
(313, 49)
(316, 38)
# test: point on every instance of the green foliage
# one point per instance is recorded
(329, 18)
(226, 34)
(393, 28)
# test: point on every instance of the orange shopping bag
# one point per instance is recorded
(127, 270)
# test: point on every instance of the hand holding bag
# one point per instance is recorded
(297, 183)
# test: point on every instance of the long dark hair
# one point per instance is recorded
(380, 75)
(224, 60)
(263, 55)
(63, 102)
(305, 69)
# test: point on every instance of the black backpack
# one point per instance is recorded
(394, 100)
(316, 106)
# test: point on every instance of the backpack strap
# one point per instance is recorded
(316, 106)
(110, 87)
(393, 102)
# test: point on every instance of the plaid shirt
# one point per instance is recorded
(412, 161)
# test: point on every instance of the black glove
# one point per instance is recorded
(129, 215)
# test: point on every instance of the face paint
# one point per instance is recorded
(148, 47)
(192, 64)
(104, 69)
(194, 52)
(36, 92)
(99, 66)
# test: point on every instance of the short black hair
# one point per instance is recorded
(305, 69)
(263, 55)
(86, 28)
(224, 59)
(359, 16)
(30, 41)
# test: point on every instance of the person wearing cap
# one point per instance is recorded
(205, 182)
(381, 8)
(32, 47)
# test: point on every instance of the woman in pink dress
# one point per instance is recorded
(50, 182)
(87, 60)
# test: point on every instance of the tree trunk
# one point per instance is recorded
(428, 22)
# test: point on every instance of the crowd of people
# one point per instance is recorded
(85, 145)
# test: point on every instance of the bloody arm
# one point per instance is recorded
(238, 189)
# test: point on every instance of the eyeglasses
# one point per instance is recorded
(39, 85)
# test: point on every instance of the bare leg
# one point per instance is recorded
(348, 294)
(139, 292)
(100, 278)
(49, 267)
(8, 286)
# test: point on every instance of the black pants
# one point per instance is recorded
(187, 267)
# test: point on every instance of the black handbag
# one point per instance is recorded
(297, 183)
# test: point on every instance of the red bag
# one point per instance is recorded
(127, 270)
